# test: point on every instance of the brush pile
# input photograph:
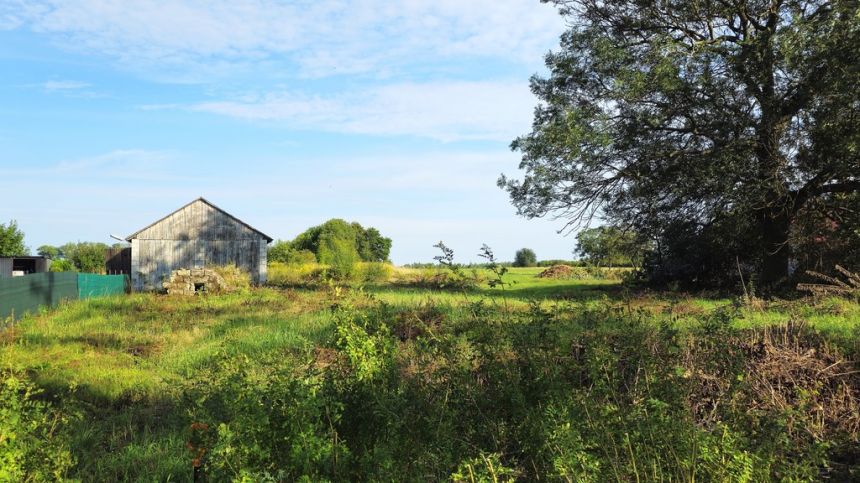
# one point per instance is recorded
(558, 271)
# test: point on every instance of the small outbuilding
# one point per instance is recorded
(25, 265)
(193, 237)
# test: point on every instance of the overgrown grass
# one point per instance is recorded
(382, 381)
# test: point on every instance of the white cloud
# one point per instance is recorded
(322, 37)
(15, 13)
(446, 111)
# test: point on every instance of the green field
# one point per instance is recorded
(387, 382)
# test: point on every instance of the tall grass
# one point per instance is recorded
(572, 381)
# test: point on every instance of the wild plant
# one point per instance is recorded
(498, 271)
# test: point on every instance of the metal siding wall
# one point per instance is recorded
(5, 267)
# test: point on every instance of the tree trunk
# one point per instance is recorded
(775, 232)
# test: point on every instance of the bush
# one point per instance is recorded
(33, 445)
(525, 257)
(299, 257)
(292, 275)
(270, 424)
(375, 272)
(279, 251)
(341, 257)
(283, 252)
(62, 265)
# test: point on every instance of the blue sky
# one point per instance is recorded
(397, 115)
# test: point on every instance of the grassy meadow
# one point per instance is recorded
(550, 379)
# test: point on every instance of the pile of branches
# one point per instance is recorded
(834, 286)
(788, 370)
(557, 271)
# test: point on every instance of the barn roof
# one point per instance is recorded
(204, 200)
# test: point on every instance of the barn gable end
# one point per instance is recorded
(197, 235)
(199, 219)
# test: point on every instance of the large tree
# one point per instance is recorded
(689, 115)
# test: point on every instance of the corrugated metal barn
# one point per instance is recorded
(195, 236)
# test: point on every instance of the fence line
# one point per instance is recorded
(20, 295)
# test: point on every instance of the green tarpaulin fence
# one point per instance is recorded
(19, 295)
(90, 285)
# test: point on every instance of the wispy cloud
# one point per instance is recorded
(445, 111)
(64, 85)
(119, 164)
(132, 164)
(321, 38)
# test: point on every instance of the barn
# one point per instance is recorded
(195, 236)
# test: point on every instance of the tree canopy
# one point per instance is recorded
(86, 256)
(609, 246)
(12, 240)
(368, 243)
(525, 257)
(48, 251)
(716, 122)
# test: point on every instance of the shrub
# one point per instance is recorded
(341, 257)
(299, 257)
(284, 252)
(525, 257)
(375, 271)
(270, 424)
(292, 275)
(33, 446)
(62, 265)
(279, 251)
